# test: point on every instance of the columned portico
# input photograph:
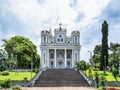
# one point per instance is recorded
(59, 51)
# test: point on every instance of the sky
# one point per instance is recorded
(29, 17)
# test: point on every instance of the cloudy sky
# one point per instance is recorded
(29, 17)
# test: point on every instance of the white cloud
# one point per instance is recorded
(36, 16)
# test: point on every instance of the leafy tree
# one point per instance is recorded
(81, 65)
(114, 72)
(114, 47)
(104, 53)
(115, 55)
(24, 49)
(97, 55)
(3, 57)
(97, 49)
(11, 62)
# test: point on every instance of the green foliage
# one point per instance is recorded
(96, 69)
(5, 73)
(104, 53)
(114, 46)
(18, 76)
(24, 49)
(81, 65)
(114, 72)
(90, 73)
(114, 57)
(97, 49)
(17, 88)
(5, 83)
(97, 79)
(36, 70)
(25, 78)
(2, 67)
(103, 81)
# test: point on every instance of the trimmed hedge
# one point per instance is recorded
(17, 88)
(5, 83)
(5, 73)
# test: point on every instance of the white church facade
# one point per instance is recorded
(59, 51)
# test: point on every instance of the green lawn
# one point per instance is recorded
(108, 76)
(19, 76)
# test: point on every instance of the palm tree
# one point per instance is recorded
(11, 62)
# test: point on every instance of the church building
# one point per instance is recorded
(59, 51)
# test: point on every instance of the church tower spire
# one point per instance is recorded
(60, 26)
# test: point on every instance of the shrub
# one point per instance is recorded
(96, 69)
(17, 88)
(97, 79)
(114, 72)
(6, 84)
(33, 70)
(0, 73)
(90, 73)
(5, 73)
(25, 78)
(103, 81)
(2, 68)
(36, 70)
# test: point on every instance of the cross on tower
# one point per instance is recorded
(60, 24)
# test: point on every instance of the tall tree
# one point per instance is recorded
(115, 55)
(24, 49)
(97, 55)
(104, 53)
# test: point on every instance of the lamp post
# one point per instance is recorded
(90, 56)
(31, 64)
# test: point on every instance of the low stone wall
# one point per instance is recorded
(21, 83)
(113, 83)
(21, 70)
(27, 83)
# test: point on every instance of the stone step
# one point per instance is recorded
(60, 77)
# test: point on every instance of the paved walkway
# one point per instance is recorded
(58, 88)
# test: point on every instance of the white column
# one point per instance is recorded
(55, 58)
(46, 39)
(42, 60)
(77, 39)
(72, 59)
(78, 56)
(48, 58)
(65, 58)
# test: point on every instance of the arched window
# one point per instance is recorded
(75, 39)
(60, 36)
(58, 39)
(61, 40)
(44, 39)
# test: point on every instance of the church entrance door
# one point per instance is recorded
(52, 64)
(68, 64)
(60, 64)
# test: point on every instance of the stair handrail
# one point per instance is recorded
(90, 82)
(36, 77)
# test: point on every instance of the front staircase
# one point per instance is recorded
(59, 78)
